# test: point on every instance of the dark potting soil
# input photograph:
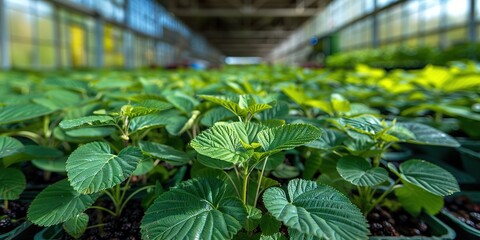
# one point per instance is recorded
(125, 227)
(13, 216)
(384, 223)
(465, 210)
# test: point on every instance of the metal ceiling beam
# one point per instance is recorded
(248, 34)
(242, 12)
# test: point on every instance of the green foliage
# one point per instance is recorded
(49, 209)
(12, 183)
(92, 167)
(316, 210)
(198, 208)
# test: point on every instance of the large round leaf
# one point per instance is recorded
(429, 176)
(195, 209)
(92, 167)
(360, 172)
(287, 137)
(220, 142)
(58, 203)
(9, 146)
(316, 210)
(12, 183)
(427, 135)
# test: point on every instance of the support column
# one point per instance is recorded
(472, 26)
(99, 42)
(4, 37)
(57, 36)
(375, 41)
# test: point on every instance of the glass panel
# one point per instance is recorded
(22, 54)
(20, 24)
(45, 27)
(47, 55)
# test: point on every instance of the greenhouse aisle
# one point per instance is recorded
(239, 119)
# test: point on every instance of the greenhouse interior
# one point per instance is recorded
(240, 119)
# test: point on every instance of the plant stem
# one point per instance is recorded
(245, 185)
(103, 209)
(380, 199)
(133, 194)
(5, 204)
(260, 178)
(96, 225)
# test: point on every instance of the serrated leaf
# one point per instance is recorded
(18, 113)
(415, 199)
(279, 110)
(363, 124)
(254, 215)
(92, 167)
(428, 176)
(9, 146)
(164, 152)
(360, 172)
(259, 107)
(57, 203)
(275, 236)
(429, 136)
(247, 132)
(269, 224)
(12, 183)
(287, 137)
(316, 210)
(77, 225)
(220, 142)
(195, 209)
(183, 102)
(88, 121)
(149, 106)
(233, 107)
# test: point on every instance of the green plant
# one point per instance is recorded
(356, 149)
(93, 170)
(221, 205)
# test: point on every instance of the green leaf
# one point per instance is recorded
(414, 199)
(88, 121)
(285, 171)
(148, 107)
(247, 132)
(195, 209)
(365, 124)
(143, 167)
(164, 152)
(57, 203)
(287, 137)
(91, 132)
(148, 121)
(183, 102)
(330, 139)
(233, 107)
(213, 163)
(9, 146)
(254, 215)
(278, 111)
(18, 113)
(77, 225)
(428, 176)
(275, 236)
(220, 142)
(360, 172)
(339, 103)
(214, 115)
(429, 136)
(12, 183)
(316, 210)
(269, 224)
(51, 165)
(92, 167)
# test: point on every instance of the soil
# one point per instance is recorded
(125, 227)
(400, 223)
(13, 216)
(465, 210)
